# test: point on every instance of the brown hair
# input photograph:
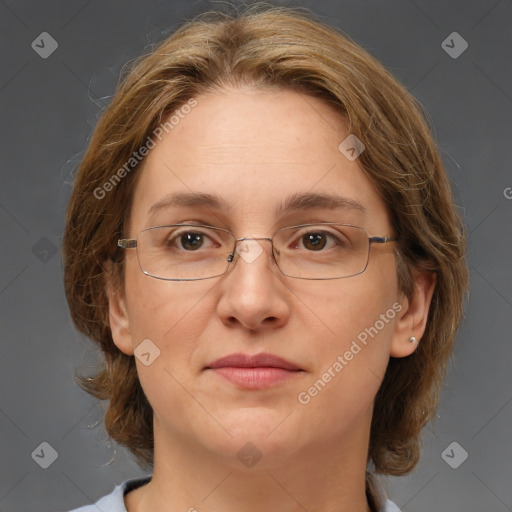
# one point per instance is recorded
(274, 47)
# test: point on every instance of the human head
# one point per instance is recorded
(268, 50)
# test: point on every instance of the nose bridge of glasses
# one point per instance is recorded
(253, 238)
(253, 254)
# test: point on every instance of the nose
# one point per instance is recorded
(254, 294)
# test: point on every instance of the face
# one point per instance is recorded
(254, 149)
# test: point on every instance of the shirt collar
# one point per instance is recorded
(375, 493)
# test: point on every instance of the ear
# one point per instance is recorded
(412, 318)
(117, 311)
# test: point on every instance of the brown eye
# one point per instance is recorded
(314, 241)
(191, 240)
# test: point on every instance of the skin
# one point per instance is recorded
(254, 148)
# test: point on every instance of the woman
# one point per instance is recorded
(263, 241)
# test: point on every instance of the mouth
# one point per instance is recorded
(254, 372)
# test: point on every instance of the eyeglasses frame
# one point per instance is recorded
(131, 243)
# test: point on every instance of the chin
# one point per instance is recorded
(255, 433)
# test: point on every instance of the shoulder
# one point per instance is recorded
(114, 502)
(389, 506)
(377, 495)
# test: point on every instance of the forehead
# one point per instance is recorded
(254, 154)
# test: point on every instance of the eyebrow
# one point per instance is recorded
(295, 202)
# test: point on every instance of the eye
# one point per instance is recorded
(190, 241)
(318, 240)
(314, 241)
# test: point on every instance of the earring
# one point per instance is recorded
(412, 339)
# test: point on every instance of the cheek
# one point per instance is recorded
(173, 316)
(349, 371)
(351, 359)
(349, 308)
(361, 325)
(170, 315)
(160, 309)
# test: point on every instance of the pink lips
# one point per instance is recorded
(254, 372)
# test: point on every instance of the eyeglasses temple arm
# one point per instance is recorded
(127, 243)
(383, 239)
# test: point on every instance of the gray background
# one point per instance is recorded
(49, 108)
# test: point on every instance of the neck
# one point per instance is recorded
(326, 477)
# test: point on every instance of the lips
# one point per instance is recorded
(254, 372)
(255, 361)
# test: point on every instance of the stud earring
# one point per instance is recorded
(412, 339)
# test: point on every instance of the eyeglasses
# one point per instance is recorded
(190, 252)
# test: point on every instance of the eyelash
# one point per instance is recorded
(297, 237)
